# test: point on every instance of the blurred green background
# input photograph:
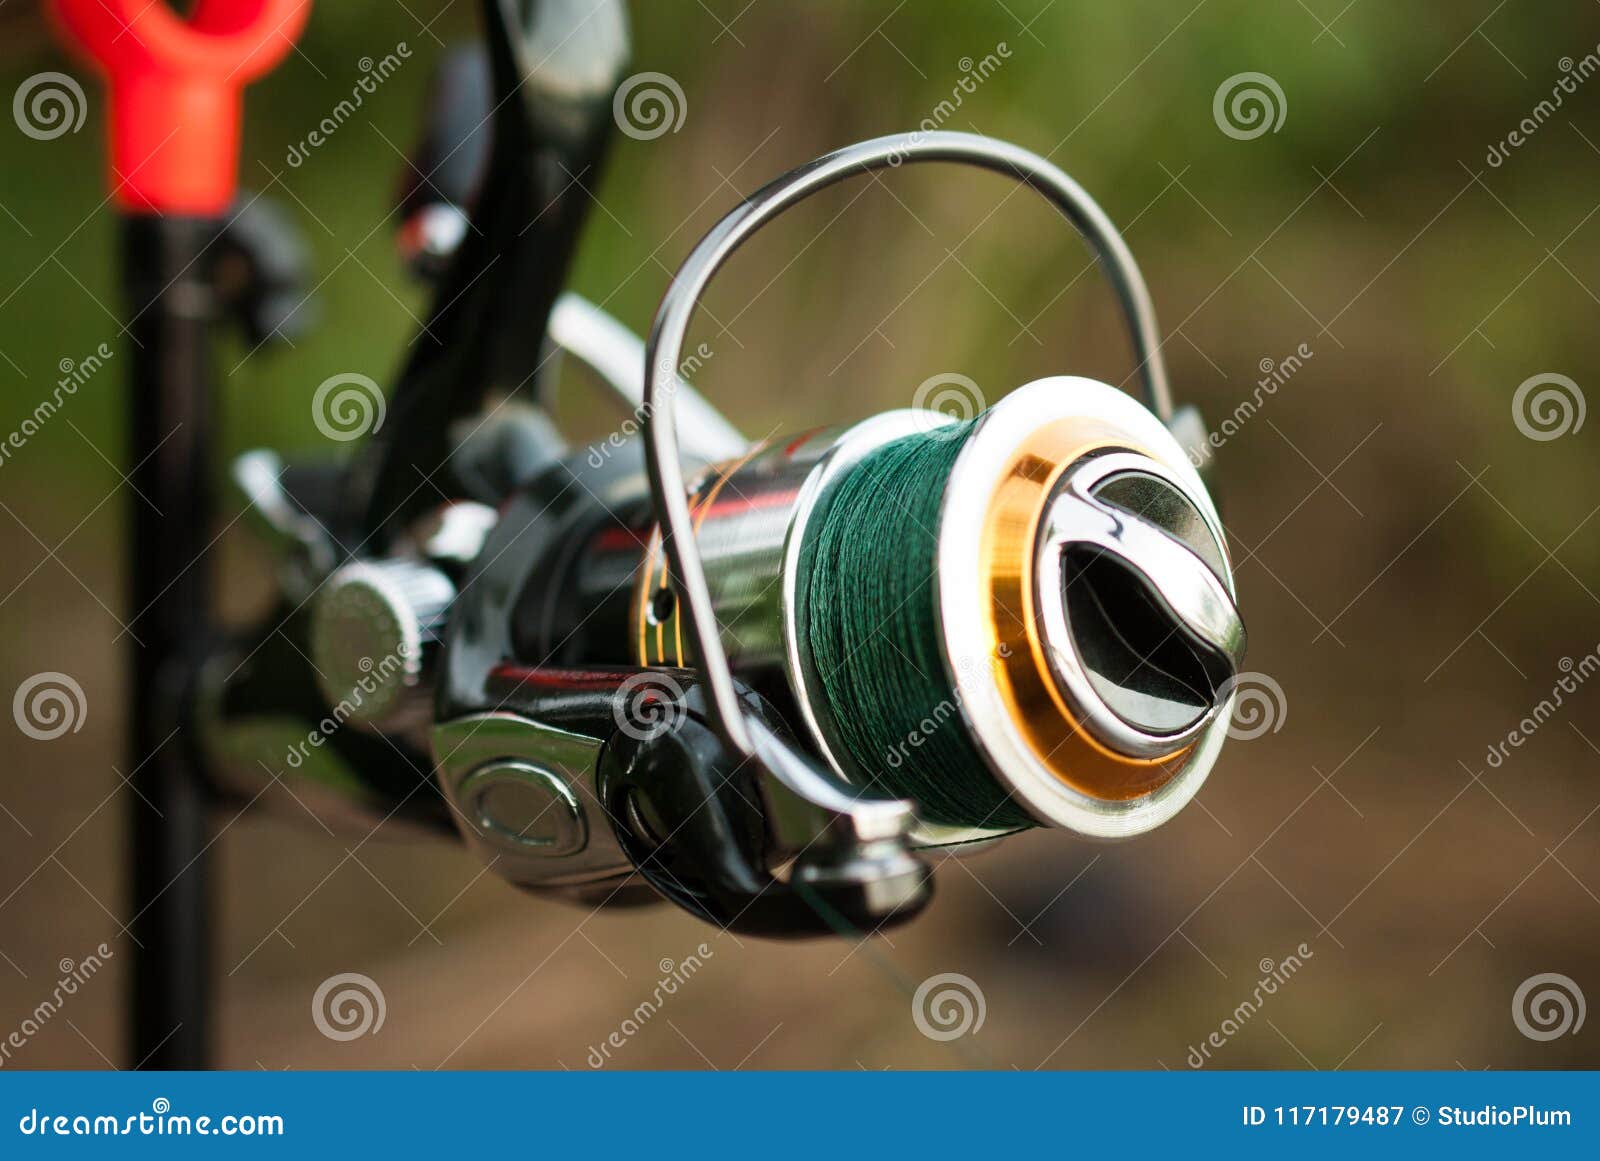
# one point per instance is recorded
(1413, 568)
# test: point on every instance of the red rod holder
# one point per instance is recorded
(176, 89)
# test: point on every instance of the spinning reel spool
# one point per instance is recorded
(616, 679)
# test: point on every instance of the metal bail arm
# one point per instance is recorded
(670, 327)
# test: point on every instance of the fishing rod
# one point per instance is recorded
(760, 680)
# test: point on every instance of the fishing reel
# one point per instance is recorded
(757, 680)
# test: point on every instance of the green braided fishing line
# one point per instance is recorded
(874, 633)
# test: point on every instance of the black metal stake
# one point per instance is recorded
(171, 304)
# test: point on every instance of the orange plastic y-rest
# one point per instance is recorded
(175, 90)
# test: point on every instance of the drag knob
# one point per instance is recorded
(373, 629)
(1142, 630)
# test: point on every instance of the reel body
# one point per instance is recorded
(620, 680)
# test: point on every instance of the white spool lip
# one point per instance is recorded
(961, 596)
